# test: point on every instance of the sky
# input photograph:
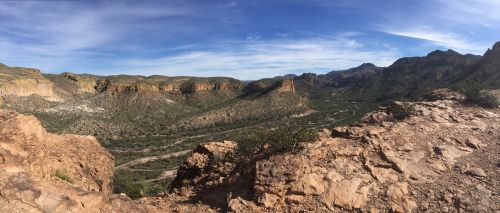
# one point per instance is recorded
(244, 39)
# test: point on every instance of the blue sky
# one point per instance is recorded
(246, 39)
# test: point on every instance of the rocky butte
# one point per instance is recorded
(444, 157)
(24, 82)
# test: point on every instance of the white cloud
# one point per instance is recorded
(258, 59)
(468, 26)
(51, 34)
(448, 40)
(484, 12)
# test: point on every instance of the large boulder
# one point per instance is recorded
(44, 172)
(201, 165)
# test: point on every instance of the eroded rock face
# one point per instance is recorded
(434, 160)
(287, 85)
(201, 164)
(382, 164)
(202, 86)
(108, 85)
(27, 87)
(27, 147)
(30, 156)
(44, 172)
(24, 82)
(83, 84)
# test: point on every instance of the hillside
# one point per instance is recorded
(444, 157)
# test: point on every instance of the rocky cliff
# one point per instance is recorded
(24, 82)
(287, 85)
(140, 84)
(488, 69)
(83, 84)
(267, 85)
(44, 172)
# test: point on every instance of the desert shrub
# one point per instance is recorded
(125, 181)
(63, 176)
(478, 96)
(401, 111)
(153, 190)
(263, 144)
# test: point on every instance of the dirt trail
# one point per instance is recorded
(182, 139)
(152, 158)
(165, 175)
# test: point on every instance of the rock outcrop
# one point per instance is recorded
(443, 158)
(286, 85)
(204, 86)
(171, 86)
(31, 160)
(199, 165)
(44, 172)
(83, 84)
(24, 82)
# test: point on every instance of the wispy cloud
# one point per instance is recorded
(449, 40)
(52, 34)
(468, 26)
(476, 12)
(258, 59)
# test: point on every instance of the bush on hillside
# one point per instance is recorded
(478, 96)
(123, 182)
(401, 111)
(63, 176)
(262, 144)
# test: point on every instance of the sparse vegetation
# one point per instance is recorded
(402, 110)
(265, 144)
(125, 181)
(63, 176)
(132, 182)
(477, 95)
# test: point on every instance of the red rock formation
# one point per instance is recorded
(44, 172)
(287, 85)
(220, 86)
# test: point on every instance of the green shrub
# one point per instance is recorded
(265, 144)
(401, 111)
(63, 176)
(476, 95)
(124, 181)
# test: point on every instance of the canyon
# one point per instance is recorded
(444, 157)
(388, 139)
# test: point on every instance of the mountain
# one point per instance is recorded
(412, 77)
(354, 75)
(488, 69)
(409, 77)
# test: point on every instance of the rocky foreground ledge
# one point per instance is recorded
(445, 158)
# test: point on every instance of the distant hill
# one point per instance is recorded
(409, 77)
